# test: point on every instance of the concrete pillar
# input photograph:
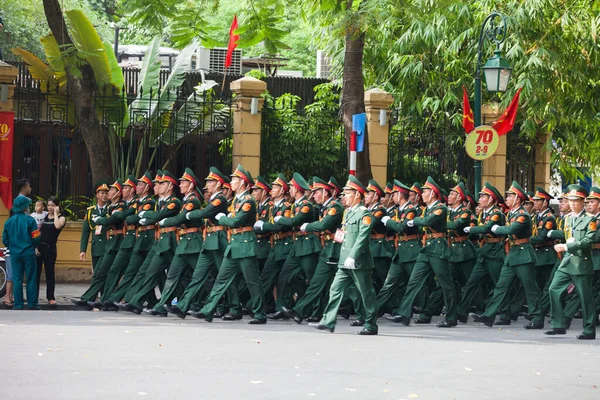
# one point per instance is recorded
(376, 100)
(494, 168)
(542, 163)
(247, 126)
(8, 74)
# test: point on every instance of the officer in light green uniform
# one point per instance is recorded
(355, 264)
(144, 238)
(114, 238)
(189, 238)
(313, 302)
(240, 254)
(281, 239)
(380, 248)
(518, 264)
(490, 256)
(89, 226)
(164, 248)
(407, 249)
(302, 260)
(576, 267)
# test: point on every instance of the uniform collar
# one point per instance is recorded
(429, 207)
(300, 199)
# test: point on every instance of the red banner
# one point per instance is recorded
(233, 39)
(507, 120)
(7, 131)
(468, 118)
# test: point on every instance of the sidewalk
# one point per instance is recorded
(63, 292)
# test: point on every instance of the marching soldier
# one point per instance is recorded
(433, 257)
(89, 226)
(380, 248)
(576, 267)
(355, 265)
(518, 264)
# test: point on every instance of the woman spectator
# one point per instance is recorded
(46, 251)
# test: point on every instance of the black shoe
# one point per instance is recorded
(422, 320)
(578, 315)
(502, 322)
(357, 322)
(528, 317)
(446, 324)
(130, 307)
(368, 332)
(152, 311)
(482, 318)
(313, 319)
(514, 317)
(246, 311)
(568, 323)
(231, 317)
(95, 304)
(417, 310)
(462, 318)
(322, 327)
(108, 306)
(255, 321)
(121, 306)
(399, 319)
(170, 308)
(586, 336)
(278, 315)
(343, 313)
(531, 325)
(556, 331)
(200, 315)
(218, 314)
(81, 303)
(177, 311)
(290, 313)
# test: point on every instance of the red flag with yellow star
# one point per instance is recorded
(468, 118)
(507, 120)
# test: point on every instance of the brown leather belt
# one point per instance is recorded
(169, 229)
(300, 233)
(436, 235)
(406, 238)
(146, 228)
(391, 238)
(518, 242)
(237, 231)
(458, 239)
(283, 235)
(263, 235)
(595, 246)
(326, 236)
(378, 236)
(547, 244)
(113, 232)
(211, 229)
(493, 240)
(185, 231)
(131, 228)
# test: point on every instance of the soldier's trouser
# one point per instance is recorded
(573, 303)
(394, 286)
(134, 276)
(269, 277)
(313, 301)
(96, 261)
(424, 266)
(99, 278)
(230, 268)
(207, 262)
(484, 268)
(382, 266)
(500, 298)
(155, 276)
(292, 269)
(242, 290)
(115, 273)
(363, 279)
(545, 296)
(583, 287)
(543, 275)
(24, 266)
(182, 265)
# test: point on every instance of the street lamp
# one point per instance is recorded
(497, 72)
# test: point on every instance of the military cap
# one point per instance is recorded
(158, 176)
(529, 197)
(169, 177)
(102, 185)
(117, 185)
(146, 178)
(490, 190)
(517, 190)
(227, 185)
(594, 193)
(373, 186)
(388, 187)
(244, 175)
(416, 187)
(432, 184)
(260, 183)
(575, 192)
(400, 187)
(310, 183)
(444, 196)
(215, 175)
(130, 181)
(334, 184)
(299, 182)
(188, 175)
(319, 183)
(541, 194)
(461, 190)
(563, 194)
(354, 184)
(21, 203)
(469, 197)
(281, 181)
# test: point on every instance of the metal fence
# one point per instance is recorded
(520, 160)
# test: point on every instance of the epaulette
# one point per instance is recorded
(271, 203)
(287, 204)
(521, 211)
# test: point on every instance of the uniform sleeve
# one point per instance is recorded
(463, 221)
(513, 228)
(5, 237)
(431, 219)
(246, 213)
(180, 218)
(330, 222)
(36, 235)
(304, 215)
(557, 235)
(495, 219)
(549, 224)
(210, 211)
(85, 234)
(400, 227)
(365, 226)
(588, 238)
(170, 209)
(114, 219)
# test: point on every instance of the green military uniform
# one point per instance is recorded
(433, 257)
(576, 267)
(380, 247)
(189, 239)
(89, 228)
(355, 265)
(313, 302)
(240, 254)
(490, 256)
(518, 264)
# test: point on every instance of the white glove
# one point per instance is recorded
(385, 219)
(466, 229)
(187, 216)
(162, 222)
(96, 218)
(277, 218)
(549, 234)
(141, 214)
(219, 216)
(560, 247)
(258, 225)
(143, 221)
(495, 228)
(410, 223)
(350, 263)
(303, 227)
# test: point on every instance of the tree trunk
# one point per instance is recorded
(353, 95)
(81, 90)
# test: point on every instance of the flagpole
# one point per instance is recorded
(223, 84)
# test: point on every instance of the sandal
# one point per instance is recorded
(8, 304)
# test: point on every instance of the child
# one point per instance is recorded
(40, 213)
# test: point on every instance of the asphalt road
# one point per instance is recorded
(70, 354)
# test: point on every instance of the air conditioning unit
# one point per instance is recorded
(213, 60)
(323, 66)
